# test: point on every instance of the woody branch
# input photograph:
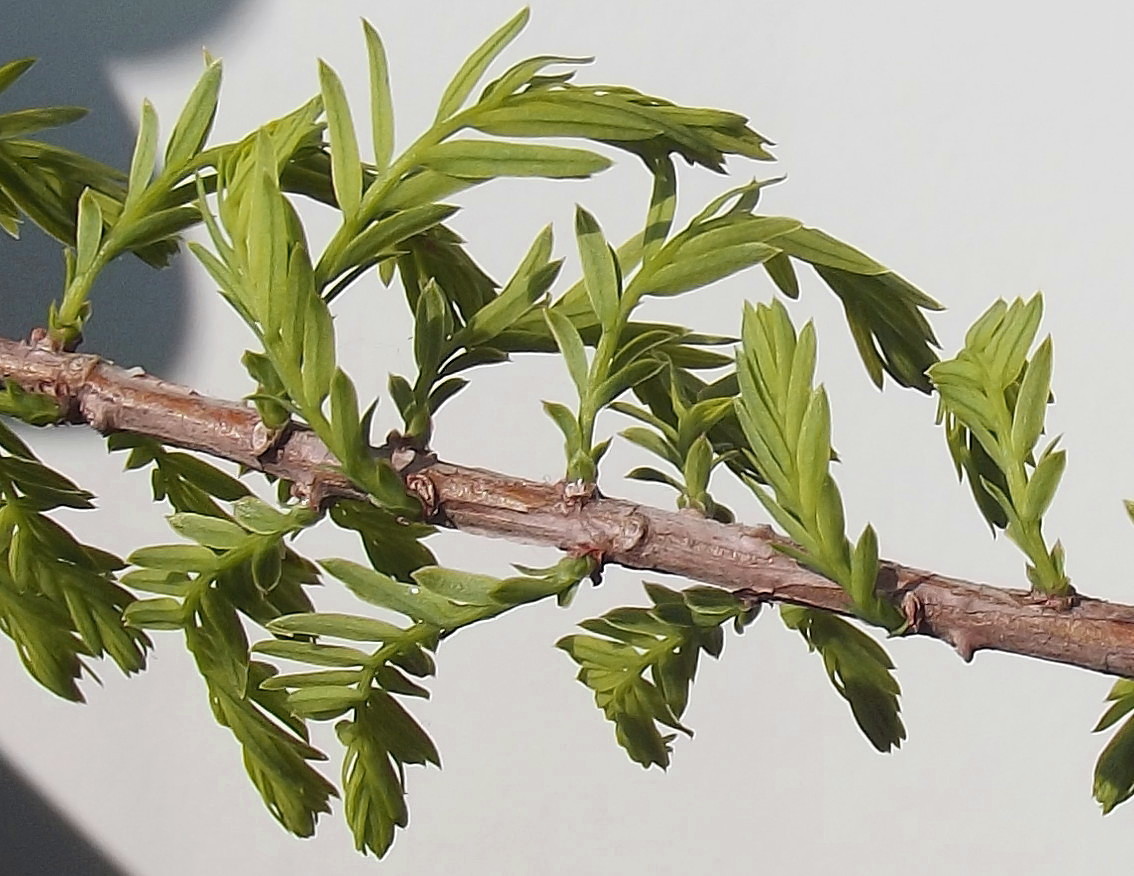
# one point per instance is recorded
(1091, 634)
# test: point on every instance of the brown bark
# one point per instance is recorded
(1087, 633)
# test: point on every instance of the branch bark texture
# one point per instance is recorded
(1088, 633)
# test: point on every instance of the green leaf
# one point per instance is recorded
(256, 515)
(1114, 771)
(525, 73)
(1123, 704)
(208, 477)
(212, 532)
(537, 114)
(693, 273)
(487, 159)
(175, 558)
(402, 735)
(663, 202)
(471, 71)
(652, 442)
(813, 448)
(381, 238)
(1031, 403)
(157, 581)
(23, 122)
(1042, 484)
(519, 296)
(156, 614)
(464, 588)
(571, 346)
(13, 70)
(318, 351)
(779, 268)
(385, 592)
(381, 103)
(309, 652)
(858, 668)
(645, 473)
(154, 228)
(819, 248)
(196, 119)
(324, 702)
(346, 166)
(341, 626)
(89, 235)
(634, 374)
(145, 153)
(568, 424)
(313, 679)
(600, 272)
(344, 414)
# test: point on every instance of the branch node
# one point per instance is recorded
(420, 485)
(577, 493)
(913, 609)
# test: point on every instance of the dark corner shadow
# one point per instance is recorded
(139, 313)
(36, 839)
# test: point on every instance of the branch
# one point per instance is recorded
(1088, 633)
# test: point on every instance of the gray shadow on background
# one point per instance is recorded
(139, 313)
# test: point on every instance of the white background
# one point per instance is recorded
(981, 150)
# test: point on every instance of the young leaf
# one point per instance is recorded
(381, 103)
(145, 152)
(567, 424)
(213, 532)
(571, 346)
(196, 119)
(474, 66)
(341, 626)
(13, 70)
(1031, 403)
(600, 273)
(819, 248)
(89, 235)
(693, 273)
(487, 159)
(346, 166)
(663, 202)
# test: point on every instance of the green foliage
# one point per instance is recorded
(41, 181)
(33, 408)
(665, 642)
(787, 422)
(859, 669)
(59, 602)
(147, 214)
(684, 445)
(1114, 771)
(236, 569)
(380, 737)
(993, 402)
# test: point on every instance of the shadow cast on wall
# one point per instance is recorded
(139, 312)
(139, 315)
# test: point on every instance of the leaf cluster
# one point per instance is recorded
(993, 401)
(787, 423)
(640, 662)
(859, 669)
(380, 737)
(685, 445)
(59, 602)
(236, 568)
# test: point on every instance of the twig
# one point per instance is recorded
(1091, 634)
